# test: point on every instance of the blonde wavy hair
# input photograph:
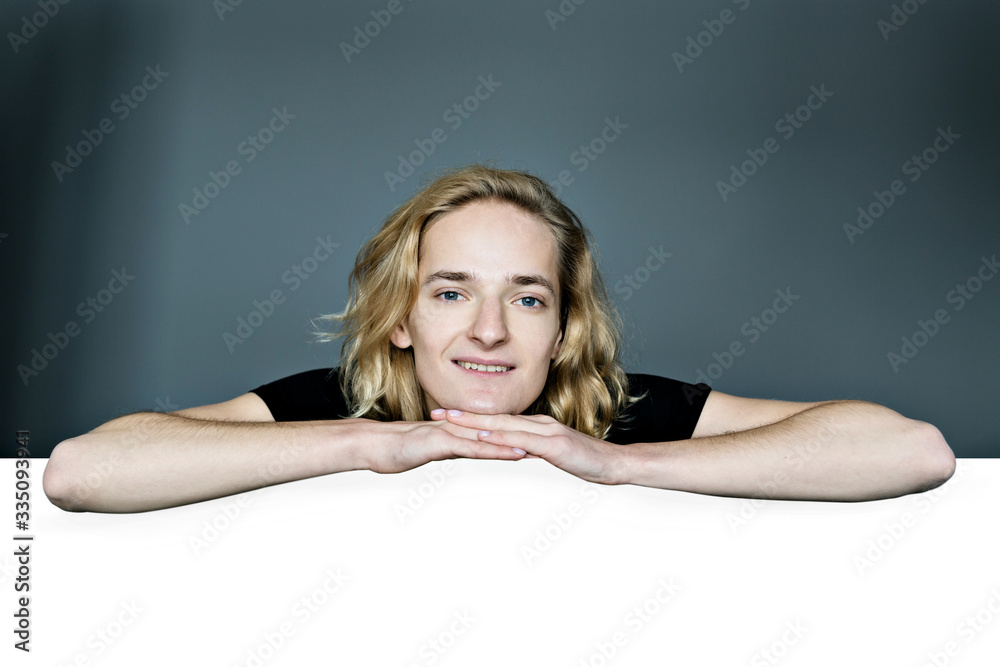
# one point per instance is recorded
(586, 388)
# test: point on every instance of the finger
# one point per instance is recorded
(533, 444)
(533, 423)
(460, 431)
(471, 449)
(438, 414)
(537, 419)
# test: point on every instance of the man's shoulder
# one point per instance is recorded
(665, 409)
(311, 394)
(315, 374)
(657, 384)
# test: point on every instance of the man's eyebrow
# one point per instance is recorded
(465, 277)
(532, 279)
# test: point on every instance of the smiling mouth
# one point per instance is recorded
(484, 368)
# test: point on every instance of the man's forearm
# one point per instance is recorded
(842, 450)
(148, 461)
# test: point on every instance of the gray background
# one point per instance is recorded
(159, 343)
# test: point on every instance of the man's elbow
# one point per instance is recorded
(61, 481)
(936, 460)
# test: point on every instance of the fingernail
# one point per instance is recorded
(455, 413)
(437, 411)
(484, 433)
(518, 450)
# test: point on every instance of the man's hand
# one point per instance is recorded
(541, 436)
(401, 446)
(832, 451)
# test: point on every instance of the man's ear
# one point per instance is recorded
(401, 337)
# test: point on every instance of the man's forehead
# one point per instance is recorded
(488, 242)
(474, 277)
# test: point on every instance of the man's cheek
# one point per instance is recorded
(418, 317)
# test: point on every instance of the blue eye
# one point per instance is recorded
(530, 298)
(445, 294)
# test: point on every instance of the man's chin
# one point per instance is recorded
(488, 408)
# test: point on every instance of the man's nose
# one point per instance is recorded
(489, 327)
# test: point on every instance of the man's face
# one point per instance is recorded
(488, 294)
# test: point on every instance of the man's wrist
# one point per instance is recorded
(358, 440)
(643, 463)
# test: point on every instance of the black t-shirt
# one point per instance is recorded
(668, 412)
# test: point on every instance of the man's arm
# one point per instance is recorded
(151, 460)
(741, 447)
(833, 450)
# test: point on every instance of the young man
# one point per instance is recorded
(478, 326)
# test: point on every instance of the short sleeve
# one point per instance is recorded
(669, 411)
(306, 396)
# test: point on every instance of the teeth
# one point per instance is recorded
(483, 367)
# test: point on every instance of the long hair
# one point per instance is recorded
(586, 387)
